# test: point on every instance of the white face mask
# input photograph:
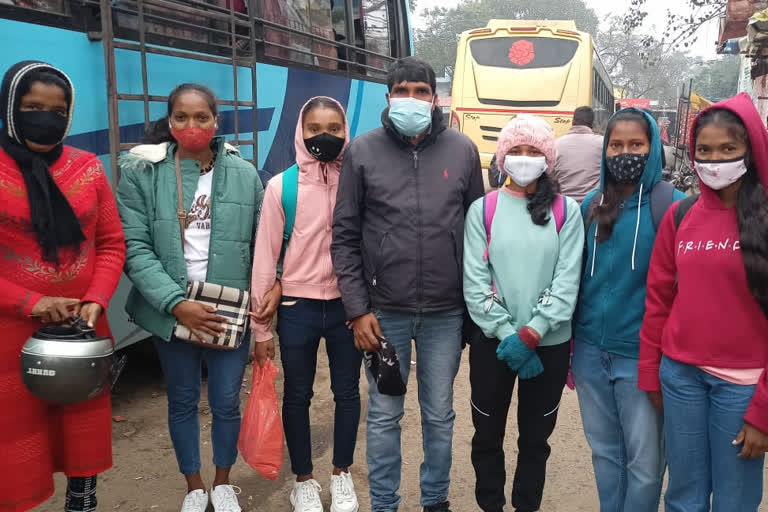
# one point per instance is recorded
(524, 170)
(718, 175)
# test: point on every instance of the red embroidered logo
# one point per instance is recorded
(445, 174)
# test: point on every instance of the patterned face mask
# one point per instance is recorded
(626, 168)
(718, 174)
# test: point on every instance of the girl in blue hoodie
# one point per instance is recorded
(622, 426)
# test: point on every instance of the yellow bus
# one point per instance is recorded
(546, 68)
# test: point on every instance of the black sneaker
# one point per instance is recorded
(439, 507)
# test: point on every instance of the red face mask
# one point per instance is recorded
(193, 138)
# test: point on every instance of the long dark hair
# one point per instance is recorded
(751, 208)
(607, 211)
(160, 131)
(540, 202)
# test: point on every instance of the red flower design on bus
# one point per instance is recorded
(521, 52)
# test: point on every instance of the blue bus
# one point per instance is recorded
(263, 58)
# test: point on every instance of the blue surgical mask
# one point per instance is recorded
(410, 116)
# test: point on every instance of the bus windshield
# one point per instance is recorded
(523, 52)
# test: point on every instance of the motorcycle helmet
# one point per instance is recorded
(66, 364)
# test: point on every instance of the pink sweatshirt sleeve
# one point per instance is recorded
(660, 296)
(757, 412)
(269, 242)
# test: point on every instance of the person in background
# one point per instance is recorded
(63, 254)
(623, 429)
(397, 250)
(521, 290)
(579, 154)
(664, 130)
(311, 306)
(495, 176)
(222, 194)
(704, 341)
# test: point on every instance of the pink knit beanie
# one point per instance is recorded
(531, 131)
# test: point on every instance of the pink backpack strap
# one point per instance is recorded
(559, 210)
(489, 210)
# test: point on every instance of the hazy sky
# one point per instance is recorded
(705, 46)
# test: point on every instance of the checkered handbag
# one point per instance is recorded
(230, 303)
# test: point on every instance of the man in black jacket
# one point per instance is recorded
(398, 234)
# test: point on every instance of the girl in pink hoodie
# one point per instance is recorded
(704, 340)
(310, 305)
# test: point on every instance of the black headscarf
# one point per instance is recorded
(53, 218)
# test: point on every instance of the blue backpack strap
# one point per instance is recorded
(662, 197)
(288, 199)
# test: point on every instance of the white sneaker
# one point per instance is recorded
(196, 501)
(305, 497)
(343, 497)
(224, 499)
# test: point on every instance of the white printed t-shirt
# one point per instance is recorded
(198, 233)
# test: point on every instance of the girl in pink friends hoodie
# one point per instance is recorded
(704, 340)
(310, 307)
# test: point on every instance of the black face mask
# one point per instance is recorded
(325, 147)
(626, 168)
(42, 127)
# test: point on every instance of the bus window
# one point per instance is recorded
(239, 5)
(272, 10)
(595, 83)
(523, 52)
(321, 19)
(376, 26)
(163, 21)
(339, 22)
(373, 31)
(57, 6)
(297, 18)
(308, 16)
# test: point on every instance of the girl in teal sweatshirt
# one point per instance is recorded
(522, 263)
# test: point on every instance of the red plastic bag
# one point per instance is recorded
(261, 432)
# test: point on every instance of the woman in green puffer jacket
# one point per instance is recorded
(222, 197)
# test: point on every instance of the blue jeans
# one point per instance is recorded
(704, 415)
(623, 430)
(182, 367)
(438, 345)
(300, 324)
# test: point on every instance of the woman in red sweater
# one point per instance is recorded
(61, 254)
(704, 341)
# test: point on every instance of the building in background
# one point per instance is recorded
(744, 31)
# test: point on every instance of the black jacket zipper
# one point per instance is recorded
(419, 235)
(377, 267)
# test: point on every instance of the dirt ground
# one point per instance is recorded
(145, 476)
